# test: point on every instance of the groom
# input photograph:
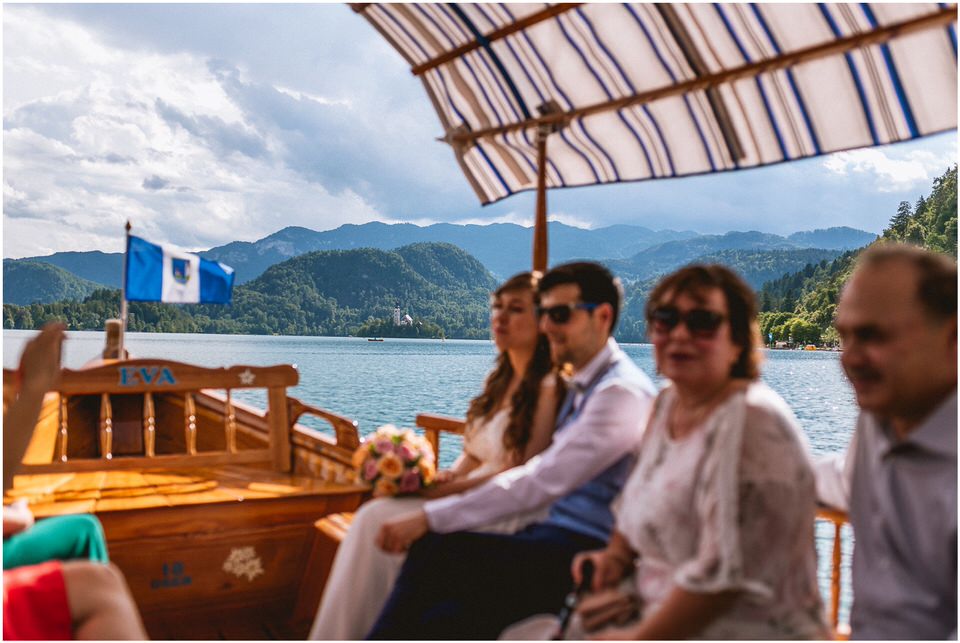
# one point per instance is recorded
(459, 584)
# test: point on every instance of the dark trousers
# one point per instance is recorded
(468, 585)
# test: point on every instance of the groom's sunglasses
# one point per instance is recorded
(700, 322)
(561, 313)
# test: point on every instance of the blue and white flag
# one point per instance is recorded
(159, 272)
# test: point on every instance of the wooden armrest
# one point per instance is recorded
(432, 421)
(433, 424)
(346, 429)
(833, 515)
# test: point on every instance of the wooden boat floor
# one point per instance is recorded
(213, 627)
(51, 494)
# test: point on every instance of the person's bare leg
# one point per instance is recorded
(100, 603)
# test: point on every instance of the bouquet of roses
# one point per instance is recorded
(395, 461)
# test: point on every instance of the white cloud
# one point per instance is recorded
(890, 170)
(298, 95)
(96, 136)
(526, 219)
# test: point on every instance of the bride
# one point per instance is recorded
(508, 423)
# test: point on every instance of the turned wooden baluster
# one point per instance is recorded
(230, 424)
(62, 442)
(149, 426)
(835, 575)
(190, 424)
(106, 427)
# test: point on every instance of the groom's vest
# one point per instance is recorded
(586, 509)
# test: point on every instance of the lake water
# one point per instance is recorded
(391, 381)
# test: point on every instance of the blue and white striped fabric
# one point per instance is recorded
(663, 90)
(160, 272)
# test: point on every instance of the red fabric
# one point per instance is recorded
(35, 604)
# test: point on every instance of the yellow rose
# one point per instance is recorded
(385, 487)
(428, 470)
(360, 455)
(424, 446)
(390, 465)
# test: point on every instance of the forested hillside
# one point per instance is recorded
(756, 267)
(344, 292)
(800, 307)
(27, 283)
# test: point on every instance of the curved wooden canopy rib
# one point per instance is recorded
(493, 36)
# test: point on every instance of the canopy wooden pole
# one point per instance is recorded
(540, 223)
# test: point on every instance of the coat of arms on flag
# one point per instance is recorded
(181, 270)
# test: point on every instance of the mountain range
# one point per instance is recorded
(634, 252)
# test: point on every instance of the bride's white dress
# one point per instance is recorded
(363, 574)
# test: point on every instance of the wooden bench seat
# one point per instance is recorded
(101, 492)
(330, 531)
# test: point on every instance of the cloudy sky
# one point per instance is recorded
(205, 124)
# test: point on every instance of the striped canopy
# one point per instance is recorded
(628, 92)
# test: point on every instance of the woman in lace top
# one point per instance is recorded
(716, 521)
(510, 421)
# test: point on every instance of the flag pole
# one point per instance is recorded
(123, 291)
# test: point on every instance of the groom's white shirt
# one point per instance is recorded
(609, 426)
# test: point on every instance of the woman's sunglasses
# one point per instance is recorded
(700, 322)
(561, 313)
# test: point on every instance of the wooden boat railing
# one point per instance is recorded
(149, 378)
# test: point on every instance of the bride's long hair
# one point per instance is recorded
(524, 400)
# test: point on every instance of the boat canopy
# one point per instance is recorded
(629, 92)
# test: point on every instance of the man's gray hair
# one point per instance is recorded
(937, 274)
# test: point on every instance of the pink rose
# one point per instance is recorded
(383, 445)
(408, 453)
(369, 469)
(410, 481)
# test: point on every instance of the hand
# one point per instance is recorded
(16, 518)
(606, 607)
(608, 569)
(40, 360)
(444, 475)
(397, 535)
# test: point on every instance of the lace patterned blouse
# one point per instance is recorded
(728, 507)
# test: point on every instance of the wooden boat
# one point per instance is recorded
(223, 518)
